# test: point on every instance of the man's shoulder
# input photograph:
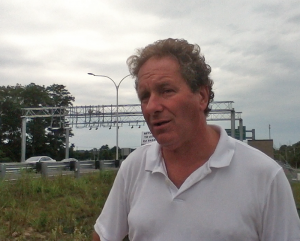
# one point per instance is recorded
(244, 148)
(250, 156)
(141, 155)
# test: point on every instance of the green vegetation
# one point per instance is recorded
(296, 190)
(102, 153)
(58, 209)
(289, 154)
(61, 208)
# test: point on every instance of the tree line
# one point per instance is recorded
(289, 154)
(102, 153)
(43, 139)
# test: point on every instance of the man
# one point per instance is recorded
(195, 182)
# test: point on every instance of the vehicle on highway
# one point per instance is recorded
(36, 159)
(69, 160)
(70, 163)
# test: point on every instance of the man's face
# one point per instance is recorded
(172, 111)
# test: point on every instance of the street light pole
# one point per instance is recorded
(117, 114)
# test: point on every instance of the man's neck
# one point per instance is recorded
(201, 147)
(184, 160)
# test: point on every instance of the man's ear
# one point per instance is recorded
(204, 96)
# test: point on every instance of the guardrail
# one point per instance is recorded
(12, 171)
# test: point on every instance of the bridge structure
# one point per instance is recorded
(108, 116)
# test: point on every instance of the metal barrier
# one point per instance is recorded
(12, 171)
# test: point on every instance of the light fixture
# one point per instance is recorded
(117, 103)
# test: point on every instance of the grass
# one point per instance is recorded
(58, 209)
(61, 208)
(296, 191)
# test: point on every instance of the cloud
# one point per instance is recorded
(251, 46)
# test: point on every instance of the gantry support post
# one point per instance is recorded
(23, 144)
(233, 123)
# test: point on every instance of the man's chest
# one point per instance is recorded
(201, 211)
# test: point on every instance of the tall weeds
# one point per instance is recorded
(58, 209)
(61, 208)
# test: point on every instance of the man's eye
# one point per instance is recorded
(168, 91)
(144, 101)
(144, 98)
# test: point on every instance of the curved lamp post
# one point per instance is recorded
(117, 116)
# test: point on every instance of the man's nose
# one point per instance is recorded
(154, 104)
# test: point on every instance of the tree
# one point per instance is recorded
(289, 154)
(59, 95)
(82, 155)
(10, 129)
(41, 139)
(105, 153)
(113, 150)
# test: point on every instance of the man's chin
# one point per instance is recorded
(165, 142)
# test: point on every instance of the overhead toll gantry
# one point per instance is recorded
(97, 116)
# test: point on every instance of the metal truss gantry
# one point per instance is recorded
(96, 116)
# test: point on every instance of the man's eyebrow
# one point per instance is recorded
(164, 84)
(142, 93)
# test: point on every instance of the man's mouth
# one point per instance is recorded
(161, 123)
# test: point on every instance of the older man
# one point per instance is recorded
(195, 182)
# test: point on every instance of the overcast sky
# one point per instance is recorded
(252, 46)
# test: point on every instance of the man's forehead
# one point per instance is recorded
(160, 63)
(156, 84)
(158, 67)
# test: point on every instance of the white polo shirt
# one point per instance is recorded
(238, 194)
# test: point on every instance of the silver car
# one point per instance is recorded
(69, 160)
(36, 159)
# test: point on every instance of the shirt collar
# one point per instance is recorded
(154, 158)
(224, 151)
(221, 157)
